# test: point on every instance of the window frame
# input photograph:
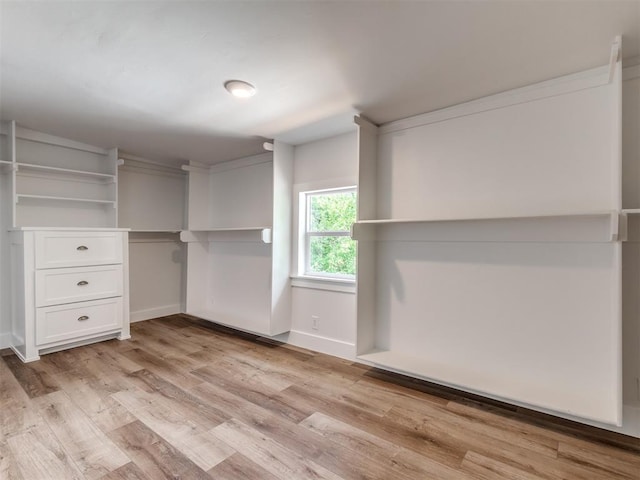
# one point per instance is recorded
(307, 234)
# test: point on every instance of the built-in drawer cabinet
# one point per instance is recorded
(72, 288)
(76, 249)
(67, 322)
(66, 285)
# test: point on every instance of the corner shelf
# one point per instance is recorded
(262, 233)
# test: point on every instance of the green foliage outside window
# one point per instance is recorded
(332, 254)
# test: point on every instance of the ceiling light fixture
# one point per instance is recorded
(240, 89)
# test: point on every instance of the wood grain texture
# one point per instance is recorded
(186, 399)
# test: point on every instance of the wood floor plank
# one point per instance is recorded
(607, 463)
(163, 368)
(157, 458)
(178, 399)
(40, 456)
(331, 455)
(258, 394)
(92, 451)
(130, 471)
(238, 467)
(16, 412)
(281, 462)
(489, 469)
(9, 469)
(33, 382)
(105, 412)
(431, 416)
(392, 459)
(435, 445)
(205, 450)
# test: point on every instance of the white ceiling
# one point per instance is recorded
(147, 76)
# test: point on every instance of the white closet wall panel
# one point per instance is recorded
(530, 158)
(155, 273)
(510, 319)
(151, 200)
(239, 284)
(244, 195)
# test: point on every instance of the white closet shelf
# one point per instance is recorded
(65, 199)
(386, 221)
(35, 167)
(366, 229)
(230, 229)
(631, 211)
(5, 162)
(156, 230)
(264, 234)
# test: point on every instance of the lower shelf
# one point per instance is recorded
(568, 401)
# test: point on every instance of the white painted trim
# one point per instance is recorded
(595, 77)
(5, 340)
(329, 346)
(330, 284)
(155, 312)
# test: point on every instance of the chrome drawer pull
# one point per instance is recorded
(82, 247)
(82, 283)
(83, 318)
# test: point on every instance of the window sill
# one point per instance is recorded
(321, 283)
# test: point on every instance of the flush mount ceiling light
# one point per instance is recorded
(240, 89)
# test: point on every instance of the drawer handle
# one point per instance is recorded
(83, 318)
(82, 283)
(82, 247)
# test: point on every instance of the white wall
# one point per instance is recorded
(152, 197)
(321, 164)
(155, 275)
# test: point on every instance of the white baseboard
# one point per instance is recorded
(149, 313)
(330, 346)
(5, 340)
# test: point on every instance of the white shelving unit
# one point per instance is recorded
(58, 218)
(489, 246)
(55, 182)
(239, 237)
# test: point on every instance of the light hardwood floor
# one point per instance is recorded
(184, 399)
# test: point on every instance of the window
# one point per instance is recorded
(328, 248)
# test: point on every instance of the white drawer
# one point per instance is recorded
(66, 322)
(75, 249)
(65, 285)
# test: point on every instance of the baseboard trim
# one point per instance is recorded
(149, 313)
(317, 343)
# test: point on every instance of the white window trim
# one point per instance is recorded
(298, 276)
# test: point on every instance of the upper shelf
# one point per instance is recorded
(21, 196)
(263, 234)
(603, 226)
(35, 167)
(487, 217)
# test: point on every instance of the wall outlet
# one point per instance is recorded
(315, 322)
